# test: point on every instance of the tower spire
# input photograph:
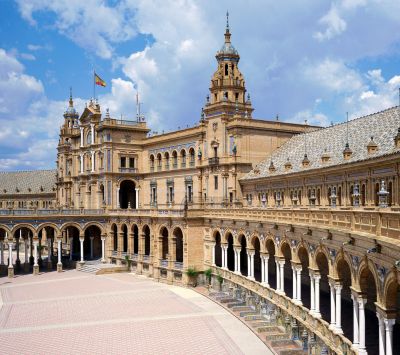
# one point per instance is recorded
(227, 21)
(71, 102)
(227, 33)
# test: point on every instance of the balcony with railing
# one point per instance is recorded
(128, 170)
(213, 161)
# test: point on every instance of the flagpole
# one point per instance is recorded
(94, 85)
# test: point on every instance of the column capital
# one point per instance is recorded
(338, 286)
(389, 323)
(81, 238)
(362, 300)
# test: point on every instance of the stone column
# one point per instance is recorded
(224, 256)
(332, 324)
(93, 162)
(17, 240)
(91, 247)
(389, 323)
(238, 261)
(59, 254)
(361, 314)
(35, 257)
(81, 162)
(312, 294)
(137, 198)
(213, 254)
(356, 326)
(250, 265)
(92, 131)
(317, 295)
(381, 333)
(298, 272)
(81, 240)
(294, 283)
(266, 269)
(338, 291)
(103, 247)
(10, 260)
(278, 277)
(49, 254)
(282, 274)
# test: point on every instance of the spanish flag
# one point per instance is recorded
(99, 81)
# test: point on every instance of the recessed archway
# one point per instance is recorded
(127, 194)
(178, 235)
(218, 250)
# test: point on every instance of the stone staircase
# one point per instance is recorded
(96, 267)
(266, 326)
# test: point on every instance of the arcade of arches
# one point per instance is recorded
(350, 294)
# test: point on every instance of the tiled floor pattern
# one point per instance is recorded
(75, 313)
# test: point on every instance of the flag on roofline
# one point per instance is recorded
(99, 81)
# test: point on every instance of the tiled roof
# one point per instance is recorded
(27, 182)
(382, 126)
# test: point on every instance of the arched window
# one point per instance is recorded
(89, 138)
(175, 159)
(192, 157)
(166, 158)
(226, 69)
(183, 158)
(152, 162)
(159, 161)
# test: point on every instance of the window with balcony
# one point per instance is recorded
(215, 182)
(123, 162)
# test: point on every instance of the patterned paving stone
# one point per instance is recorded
(114, 314)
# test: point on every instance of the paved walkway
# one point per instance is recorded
(76, 313)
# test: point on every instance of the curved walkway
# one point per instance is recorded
(78, 313)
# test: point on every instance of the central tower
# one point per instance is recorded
(227, 90)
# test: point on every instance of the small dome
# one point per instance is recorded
(228, 48)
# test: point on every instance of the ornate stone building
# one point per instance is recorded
(314, 228)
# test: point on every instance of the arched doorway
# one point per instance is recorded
(127, 194)
(218, 250)
(243, 256)
(124, 238)
(270, 246)
(92, 243)
(178, 245)
(135, 239)
(114, 231)
(230, 253)
(344, 274)
(368, 289)
(164, 243)
(257, 259)
(74, 243)
(305, 277)
(287, 270)
(324, 289)
(22, 237)
(146, 232)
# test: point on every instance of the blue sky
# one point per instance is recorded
(306, 59)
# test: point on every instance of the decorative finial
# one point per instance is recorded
(71, 102)
(227, 20)
(107, 112)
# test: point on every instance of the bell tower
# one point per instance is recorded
(227, 90)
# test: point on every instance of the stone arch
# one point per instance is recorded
(230, 262)
(71, 224)
(286, 252)
(391, 289)
(135, 233)
(4, 230)
(244, 267)
(369, 287)
(92, 241)
(127, 193)
(270, 247)
(114, 233)
(147, 242)
(322, 264)
(217, 248)
(175, 158)
(124, 231)
(22, 225)
(51, 225)
(97, 224)
(164, 234)
(151, 160)
(178, 235)
(256, 244)
(304, 259)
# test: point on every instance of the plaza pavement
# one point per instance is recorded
(78, 313)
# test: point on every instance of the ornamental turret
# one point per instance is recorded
(228, 90)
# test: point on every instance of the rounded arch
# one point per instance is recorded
(114, 232)
(226, 236)
(124, 231)
(71, 224)
(49, 224)
(391, 289)
(230, 252)
(217, 248)
(5, 229)
(164, 234)
(255, 242)
(127, 193)
(147, 246)
(135, 233)
(367, 278)
(244, 266)
(97, 224)
(22, 225)
(92, 241)
(178, 235)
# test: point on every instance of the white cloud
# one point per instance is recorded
(91, 24)
(27, 56)
(335, 25)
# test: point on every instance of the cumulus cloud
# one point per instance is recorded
(91, 24)
(304, 69)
